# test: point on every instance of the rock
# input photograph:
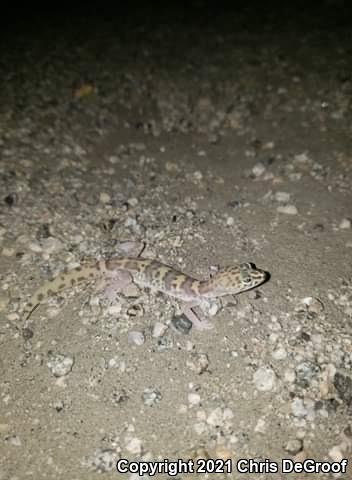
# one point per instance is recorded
(343, 385)
(264, 379)
(287, 209)
(60, 364)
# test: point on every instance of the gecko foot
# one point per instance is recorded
(198, 322)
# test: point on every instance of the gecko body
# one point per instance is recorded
(157, 276)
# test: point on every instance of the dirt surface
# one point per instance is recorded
(215, 136)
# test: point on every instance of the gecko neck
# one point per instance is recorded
(207, 290)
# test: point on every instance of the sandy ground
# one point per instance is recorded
(215, 138)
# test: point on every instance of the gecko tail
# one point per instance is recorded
(63, 281)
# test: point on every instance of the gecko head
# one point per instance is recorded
(233, 280)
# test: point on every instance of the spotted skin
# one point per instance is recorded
(157, 276)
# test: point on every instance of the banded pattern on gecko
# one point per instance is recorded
(157, 276)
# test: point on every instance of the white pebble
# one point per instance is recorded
(290, 376)
(15, 441)
(302, 157)
(264, 379)
(230, 221)
(51, 245)
(136, 338)
(298, 408)
(261, 426)
(133, 201)
(288, 209)
(113, 159)
(282, 197)
(104, 197)
(215, 418)
(314, 304)
(113, 362)
(258, 169)
(114, 309)
(294, 446)
(198, 175)
(213, 309)
(345, 223)
(200, 428)
(335, 454)
(193, 399)
(34, 247)
(279, 354)
(4, 301)
(134, 446)
(227, 414)
(60, 365)
(159, 329)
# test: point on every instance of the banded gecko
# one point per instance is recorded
(157, 276)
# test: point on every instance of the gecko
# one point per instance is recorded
(158, 277)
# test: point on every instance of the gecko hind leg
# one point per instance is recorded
(116, 282)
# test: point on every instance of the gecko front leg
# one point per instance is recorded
(199, 321)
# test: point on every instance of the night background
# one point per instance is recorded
(215, 133)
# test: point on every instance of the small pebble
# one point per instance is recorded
(305, 373)
(343, 385)
(294, 446)
(182, 324)
(52, 245)
(279, 354)
(134, 446)
(200, 428)
(193, 399)
(214, 308)
(164, 344)
(105, 198)
(198, 363)
(103, 461)
(151, 396)
(131, 291)
(287, 209)
(159, 329)
(133, 202)
(302, 158)
(5, 428)
(58, 405)
(335, 454)
(198, 176)
(221, 451)
(264, 379)
(314, 305)
(215, 418)
(345, 224)
(282, 197)
(258, 169)
(8, 252)
(298, 408)
(136, 338)
(59, 364)
(261, 426)
(15, 441)
(135, 310)
(114, 309)
(290, 376)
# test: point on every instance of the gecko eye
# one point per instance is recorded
(245, 278)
